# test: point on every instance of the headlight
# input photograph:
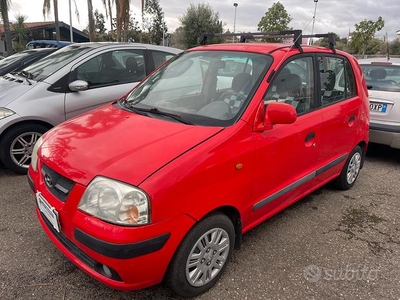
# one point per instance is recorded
(115, 202)
(34, 158)
(5, 112)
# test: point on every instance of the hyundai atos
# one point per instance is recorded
(162, 184)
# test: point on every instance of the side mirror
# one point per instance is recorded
(277, 113)
(78, 86)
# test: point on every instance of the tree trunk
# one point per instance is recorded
(110, 14)
(119, 19)
(56, 22)
(7, 32)
(126, 25)
(92, 33)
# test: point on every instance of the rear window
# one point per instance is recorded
(383, 77)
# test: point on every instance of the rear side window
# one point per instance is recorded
(160, 57)
(336, 79)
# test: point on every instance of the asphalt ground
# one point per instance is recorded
(330, 245)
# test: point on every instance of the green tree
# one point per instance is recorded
(4, 8)
(100, 27)
(153, 22)
(275, 19)
(198, 20)
(394, 47)
(46, 11)
(20, 32)
(364, 34)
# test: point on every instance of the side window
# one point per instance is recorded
(337, 79)
(160, 57)
(114, 67)
(294, 84)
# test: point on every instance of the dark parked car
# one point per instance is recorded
(18, 61)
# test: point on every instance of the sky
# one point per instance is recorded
(337, 16)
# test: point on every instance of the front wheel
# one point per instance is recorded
(202, 257)
(350, 171)
(17, 144)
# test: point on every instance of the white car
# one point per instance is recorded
(382, 76)
(70, 81)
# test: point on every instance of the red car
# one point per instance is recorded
(162, 184)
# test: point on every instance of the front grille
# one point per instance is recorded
(57, 184)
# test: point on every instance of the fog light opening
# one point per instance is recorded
(106, 271)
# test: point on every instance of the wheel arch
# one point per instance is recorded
(363, 145)
(38, 122)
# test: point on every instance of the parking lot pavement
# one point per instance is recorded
(329, 245)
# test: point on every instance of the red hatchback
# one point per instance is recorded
(162, 184)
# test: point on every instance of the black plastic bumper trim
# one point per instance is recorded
(30, 181)
(383, 127)
(121, 251)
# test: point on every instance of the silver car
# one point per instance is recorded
(72, 80)
(382, 76)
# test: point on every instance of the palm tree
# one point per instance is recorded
(20, 33)
(4, 7)
(108, 4)
(46, 11)
(92, 32)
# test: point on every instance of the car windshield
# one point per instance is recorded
(382, 77)
(210, 88)
(55, 61)
(12, 58)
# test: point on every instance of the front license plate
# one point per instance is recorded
(379, 107)
(48, 211)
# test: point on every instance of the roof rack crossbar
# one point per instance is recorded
(330, 36)
(296, 34)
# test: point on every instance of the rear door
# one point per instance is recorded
(340, 109)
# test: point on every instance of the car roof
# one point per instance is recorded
(106, 45)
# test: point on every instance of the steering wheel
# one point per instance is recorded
(228, 96)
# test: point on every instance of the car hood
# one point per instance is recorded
(118, 144)
(12, 89)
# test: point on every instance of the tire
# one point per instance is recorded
(190, 278)
(17, 144)
(350, 171)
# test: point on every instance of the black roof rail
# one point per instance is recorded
(296, 34)
(331, 38)
(245, 36)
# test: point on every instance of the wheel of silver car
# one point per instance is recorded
(202, 256)
(17, 144)
(350, 170)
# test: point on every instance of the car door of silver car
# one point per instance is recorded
(103, 78)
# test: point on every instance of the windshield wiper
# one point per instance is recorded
(156, 111)
(26, 75)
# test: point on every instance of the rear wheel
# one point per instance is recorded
(202, 257)
(17, 144)
(350, 171)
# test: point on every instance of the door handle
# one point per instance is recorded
(310, 136)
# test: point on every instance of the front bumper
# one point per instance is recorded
(123, 258)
